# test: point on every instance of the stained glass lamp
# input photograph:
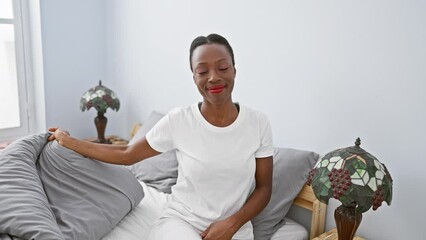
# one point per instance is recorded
(357, 179)
(101, 98)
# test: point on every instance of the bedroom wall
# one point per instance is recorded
(325, 72)
(74, 50)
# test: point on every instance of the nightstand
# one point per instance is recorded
(115, 140)
(332, 235)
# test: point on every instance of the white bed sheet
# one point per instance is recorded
(137, 224)
(291, 230)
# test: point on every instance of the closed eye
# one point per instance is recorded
(201, 71)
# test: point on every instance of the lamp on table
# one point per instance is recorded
(101, 98)
(357, 179)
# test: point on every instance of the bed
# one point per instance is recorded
(50, 192)
(137, 223)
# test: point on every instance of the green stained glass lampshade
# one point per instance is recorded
(101, 98)
(352, 176)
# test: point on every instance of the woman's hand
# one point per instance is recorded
(220, 230)
(57, 134)
(225, 229)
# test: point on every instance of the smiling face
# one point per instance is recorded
(213, 73)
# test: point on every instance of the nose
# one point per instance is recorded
(214, 76)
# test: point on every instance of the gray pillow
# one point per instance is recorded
(88, 197)
(152, 119)
(24, 208)
(291, 168)
(4, 236)
(159, 171)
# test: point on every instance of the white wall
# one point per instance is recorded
(325, 72)
(74, 50)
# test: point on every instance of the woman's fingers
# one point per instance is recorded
(52, 135)
(52, 129)
(204, 234)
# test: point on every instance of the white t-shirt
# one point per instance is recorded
(216, 165)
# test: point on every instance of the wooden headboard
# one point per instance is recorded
(306, 199)
(134, 130)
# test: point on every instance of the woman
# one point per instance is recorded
(224, 151)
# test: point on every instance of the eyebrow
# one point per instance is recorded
(219, 61)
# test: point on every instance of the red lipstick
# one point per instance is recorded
(216, 89)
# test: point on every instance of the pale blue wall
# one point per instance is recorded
(74, 50)
(325, 72)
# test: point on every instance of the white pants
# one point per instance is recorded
(137, 224)
(171, 228)
(167, 228)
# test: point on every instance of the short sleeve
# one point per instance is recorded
(266, 145)
(160, 137)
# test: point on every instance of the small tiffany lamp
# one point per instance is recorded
(355, 178)
(101, 98)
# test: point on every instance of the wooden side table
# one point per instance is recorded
(115, 140)
(332, 235)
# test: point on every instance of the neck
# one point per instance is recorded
(219, 115)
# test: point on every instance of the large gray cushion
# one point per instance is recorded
(159, 171)
(291, 168)
(88, 197)
(4, 236)
(24, 208)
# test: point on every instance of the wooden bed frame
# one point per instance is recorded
(306, 199)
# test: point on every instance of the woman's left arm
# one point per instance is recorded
(257, 201)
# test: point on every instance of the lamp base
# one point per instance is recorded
(106, 141)
(100, 123)
(347, 222)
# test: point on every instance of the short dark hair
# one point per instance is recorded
(210, 39)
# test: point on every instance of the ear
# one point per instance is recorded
(235, 72)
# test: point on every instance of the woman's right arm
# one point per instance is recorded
(115, 154)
